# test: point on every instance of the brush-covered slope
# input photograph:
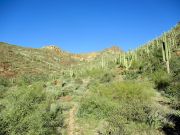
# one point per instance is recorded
(50, 91)
(15, 60)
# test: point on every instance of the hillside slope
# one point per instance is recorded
(50, 91)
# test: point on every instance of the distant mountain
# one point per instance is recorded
(16, 60)
(113, 49)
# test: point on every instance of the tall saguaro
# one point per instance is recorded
(166, 55)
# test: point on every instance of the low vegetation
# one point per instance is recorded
(126, 106)
(113, 93)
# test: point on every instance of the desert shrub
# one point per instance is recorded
(94, 73)
(175, 69)
(4, 86)
(2, 91)
(96, 107)
(126, 90)
(78, 81)
(107, 77)
(134, 117)
(111, 64)
(173, 88)
(4, 82)
(130, 75)
(28, 111)
(161, 79)
(30, 78)
(131, 128)
(127, 106)
(54, 91)
(166, 82)
(147, 64)
(175, 65)
(69, 87)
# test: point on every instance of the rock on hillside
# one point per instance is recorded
(114, 49)
(54, 48)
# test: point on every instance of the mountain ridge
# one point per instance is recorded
(16, 59)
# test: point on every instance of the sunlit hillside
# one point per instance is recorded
(48, 91)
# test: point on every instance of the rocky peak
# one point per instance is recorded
(53, 48)
(113, 49)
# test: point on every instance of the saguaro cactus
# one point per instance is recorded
(71, 72)
(102, 62)
(127, 61)
(173, 38)
(166, 54)
(147, 49)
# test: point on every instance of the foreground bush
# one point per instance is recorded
(28, 111)
(4, 85)
(29, 79)
(161, 79)
(127, 106)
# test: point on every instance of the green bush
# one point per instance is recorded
(161, 79)
(4, 86)
(127, 106)
(174, 89)
(107, 77)
(29, 79)
(94, 73)
(130, 75)
(2, 91)
(4, 82)
(94, 106)
(28, 111)
(78, 81)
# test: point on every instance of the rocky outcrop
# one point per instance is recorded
(54, 48)
(113, 49)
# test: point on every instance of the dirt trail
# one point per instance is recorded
(71, 123)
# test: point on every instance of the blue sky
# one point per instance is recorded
(85, 25)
